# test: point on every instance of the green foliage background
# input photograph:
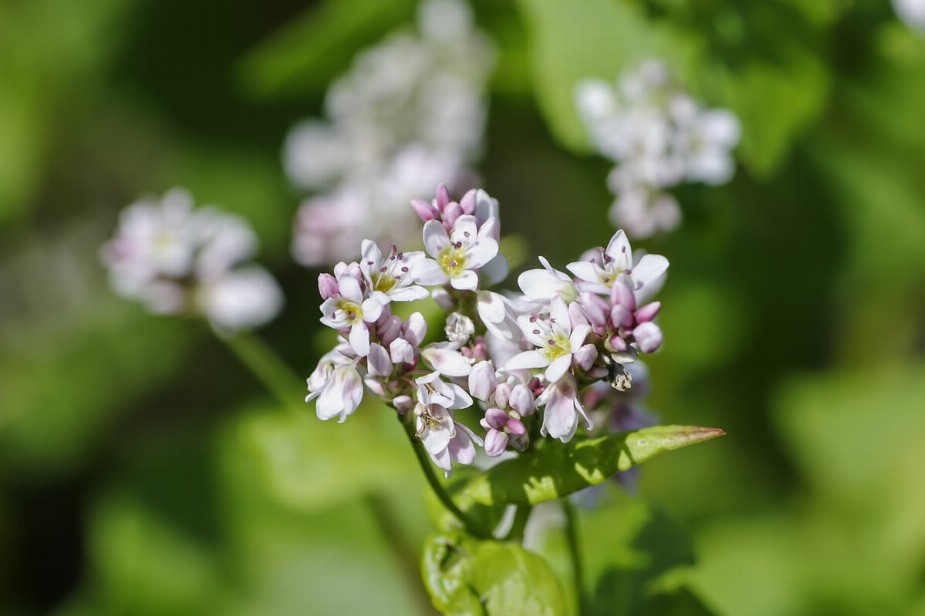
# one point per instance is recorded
(144, 471)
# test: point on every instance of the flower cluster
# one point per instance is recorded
(658, 136)
(176, 259)
(530, 360)
(409, 114)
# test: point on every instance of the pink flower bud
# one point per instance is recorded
(503, 395)
(327, 286)
(521, 400)
(414, 329)
(495, 418)
(516, 427)
(616, 343)
(648, 312)
(443, 197)
(467, 203)
(495, 443)
(621, 294)
(595, 309)
(620, 316)
(424, 209)
(451, 213)
(482, 381)
(400, 352)
(585, 356)
(378, 361)
(648, 336)
(403, 403)
(389, 329)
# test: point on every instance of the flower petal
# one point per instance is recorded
(648, 275)
(359, 339)
(558, 368)
(465, 281)
(620, 251)
(446, 361)
(527, 360)
(427, 272)
(435, 237)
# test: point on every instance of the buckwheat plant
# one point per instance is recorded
(180, 260)
(410, 113)
(658, 136)
(507, 380)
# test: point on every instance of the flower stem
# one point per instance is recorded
(269, 369)
(424, 460)
(571, 535)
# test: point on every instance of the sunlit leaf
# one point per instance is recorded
(557, 470)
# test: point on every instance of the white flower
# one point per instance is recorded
(547, 283)
(705, 144)
(337, 384)
(155, 239)
(456, 257)
(391, 276)
(431, 389)
(562, 410)
(555, 339)
(241, 299)
(445, 439)
(644, 211)
(351, 310)
(597, 275)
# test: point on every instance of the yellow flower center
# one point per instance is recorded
(383, 282)
(352, 310)
(453, 261)
(557, 345)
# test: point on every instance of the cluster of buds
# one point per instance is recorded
(658, 136)
(177, 259)
(409, 113)
(527, 359)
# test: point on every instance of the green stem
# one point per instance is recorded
(571, 535)
(521, 515)
(266, 365)
(391, 531)
(424, 460)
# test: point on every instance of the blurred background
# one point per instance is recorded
(144, 471)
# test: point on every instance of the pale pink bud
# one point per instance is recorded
(521, 400)
(467, 203)
(482, 381)
(516, 427)
(622, 295)
(451, 213)
(389, 329)
(621, 316)
(403, 403)
(495, 443)
(585, 357)
(495, 418)
(502, 395)
(443, 197)
(595, 308)
(401, 352)
(648, 312)
(327, 286)
(414, 329)
(617, 343)
(378, 361)
(424, 209)
(648, 336)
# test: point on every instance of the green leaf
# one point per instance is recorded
(467, 576)
(557, 470)
(313, 49)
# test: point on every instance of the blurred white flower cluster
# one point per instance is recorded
(177, 259)
(911, 13)
(409, 114)
(659, 137)
(526, 365)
